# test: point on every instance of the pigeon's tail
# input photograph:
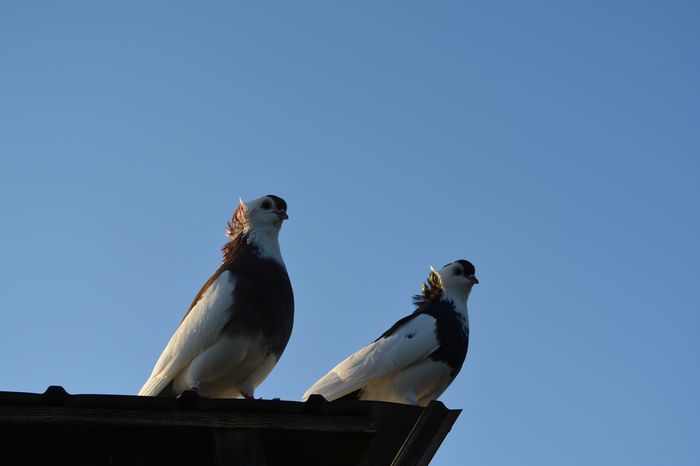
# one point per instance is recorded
(330, 386)
(155, 386)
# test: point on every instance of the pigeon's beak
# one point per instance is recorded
(282, 214)
(473, 279)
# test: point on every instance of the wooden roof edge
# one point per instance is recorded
(427, 435)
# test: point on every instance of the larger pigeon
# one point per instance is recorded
(420, 355)
(240, 321)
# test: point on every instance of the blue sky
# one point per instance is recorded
(554, 145)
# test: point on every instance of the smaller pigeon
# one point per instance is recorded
(239, 323)
(420, 355)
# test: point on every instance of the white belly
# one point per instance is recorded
(418, 384)
(231, 367)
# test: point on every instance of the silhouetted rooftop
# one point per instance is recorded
(58, 428)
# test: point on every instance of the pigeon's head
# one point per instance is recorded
(264, 213)
(267, 210)
(458, 277)
(455, 280)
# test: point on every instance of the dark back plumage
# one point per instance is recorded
(453, 334)
(271, 313)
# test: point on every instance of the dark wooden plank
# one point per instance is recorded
(239, 447)
(183, 418)
(90, 445)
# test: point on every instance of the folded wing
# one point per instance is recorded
(199, 329)
(408, 344)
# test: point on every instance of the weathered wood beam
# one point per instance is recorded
(183, 418)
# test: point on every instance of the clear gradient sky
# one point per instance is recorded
(554, 144)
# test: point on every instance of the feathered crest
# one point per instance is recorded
(238, 222)
(431, 289)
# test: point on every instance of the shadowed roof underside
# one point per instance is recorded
(58, 428)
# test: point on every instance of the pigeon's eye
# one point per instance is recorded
(458, 271)
(266, 205)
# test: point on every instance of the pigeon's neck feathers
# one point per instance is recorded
(459, 301)
(434, 288)
(431, 289)
(266, 241)
(261, 242)
(263, 236)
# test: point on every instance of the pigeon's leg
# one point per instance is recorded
(247, 387)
